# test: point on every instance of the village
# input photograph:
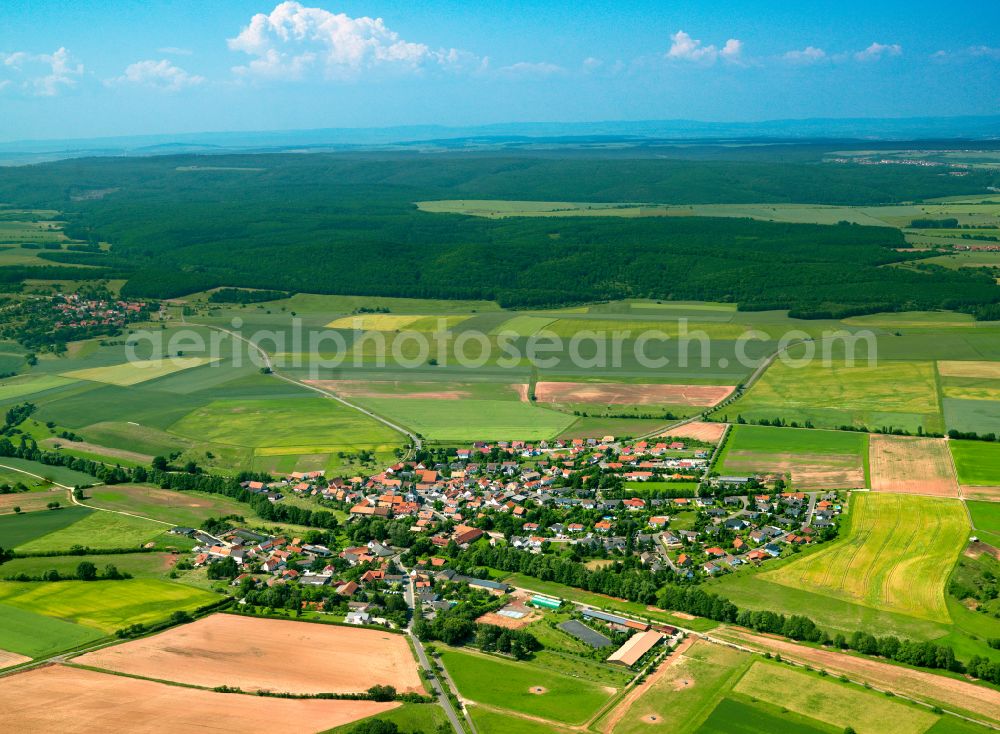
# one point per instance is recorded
(399, 556)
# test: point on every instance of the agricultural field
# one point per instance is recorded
(830, 701)
(305, 425)
(631, 394)
(139, 565)
(449, 421)
(895, 557)
(892, 394)
(188, 509)
(813, 460)
(977, 462)
(133, 373)
(524, 687)
(980, 702)
(22, 386)
(49, 699)
(35, 635)
(101, 530)
(106, 606)
(286, 656)
(17, 530)
(912, 466)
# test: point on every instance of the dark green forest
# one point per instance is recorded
(346, 223)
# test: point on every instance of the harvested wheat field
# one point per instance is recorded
(76, 701)
(982, 370)
(10, 659)
(808, 472)
(267, 654)
(697, 431)
(954, 693)
(614, 393)
(988, 494)
(912, 466)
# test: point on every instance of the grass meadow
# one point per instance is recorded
(493, 681)
(100, 530)
(17, 530)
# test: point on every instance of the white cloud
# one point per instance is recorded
(985, 52)
(532, 68)
(44, 75)
(159, 74)
(592, 63)
(293, 40)
(682, 46)
(808, 55)
(877, 50)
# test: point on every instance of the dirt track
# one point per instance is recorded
(950, 692)
(267, 654)
(74, 701)
(619, 711)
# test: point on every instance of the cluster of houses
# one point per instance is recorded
(76, 311)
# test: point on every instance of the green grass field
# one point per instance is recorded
(60, 474)
(97, 530)
(28, 633)
(409, 717)
(900, 394)
(104, 605)
(189, 509)
(740, 717)
(133, 373)
(977, 462)
(986, 520)
(492, 681)
(711, 671)
(832, 702)
(16, 530)
(813, 459)
(896, 556)
(469, 420)
(297, 423)
(22, 386)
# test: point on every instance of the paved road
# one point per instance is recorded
(410, 595)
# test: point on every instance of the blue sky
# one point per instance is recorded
(83, 69)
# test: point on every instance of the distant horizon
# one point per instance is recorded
(360, 64)
(687, 129)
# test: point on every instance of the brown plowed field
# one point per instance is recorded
(912, 466)
(267, 654)
(698, 431)
(614, 393)
(75, 701)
